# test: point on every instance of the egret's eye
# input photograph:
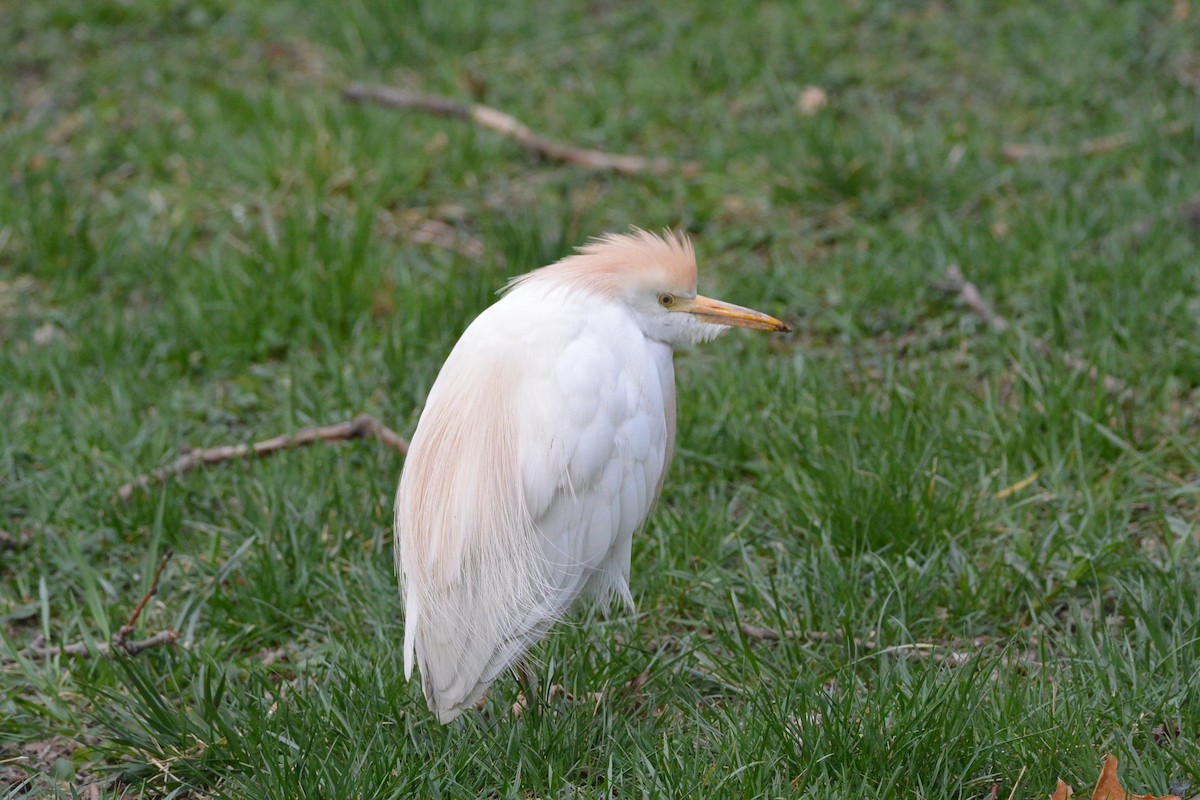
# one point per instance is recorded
(666, 300)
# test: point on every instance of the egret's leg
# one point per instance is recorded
(527, 679)
(527, 697)
(531, 695)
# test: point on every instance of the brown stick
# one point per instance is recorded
(512, 128)
(360, 427)
(1088, 147)
(121, 638)
(973, 299)
(104, 649)
(120, 641)
(757, 633)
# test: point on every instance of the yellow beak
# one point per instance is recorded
(721, 313)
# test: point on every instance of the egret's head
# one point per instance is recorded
(655, 276)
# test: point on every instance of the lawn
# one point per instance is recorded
(906, 551)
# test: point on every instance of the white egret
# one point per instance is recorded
(541, 449)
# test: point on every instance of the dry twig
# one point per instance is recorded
(121, 638)
(971, 297)
(954, 658)
(760, 634)
(1088, 147)
(756, 633)
(104, 649)
(120, 641)
(360, 427)
(512, 128)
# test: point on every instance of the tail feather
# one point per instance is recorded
(458, 666)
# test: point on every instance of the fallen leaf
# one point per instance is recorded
(1108, 787)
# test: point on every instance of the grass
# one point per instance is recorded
(199, 244)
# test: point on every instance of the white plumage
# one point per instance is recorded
(541, 450)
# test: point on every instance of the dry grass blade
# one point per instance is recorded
(1009, 491)
(512, 128)
(1017, 783)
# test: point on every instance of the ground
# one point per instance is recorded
(903, 552)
